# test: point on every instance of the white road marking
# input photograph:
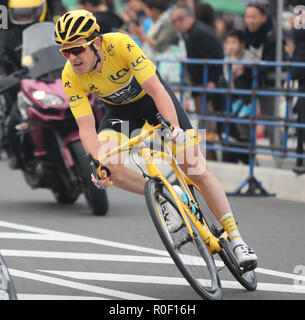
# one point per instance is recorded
(114, 277)
(86, 256)
(46, 234)
(101, 257)
(77, 285)
(51, 235)
(25, 296)
(124, 258)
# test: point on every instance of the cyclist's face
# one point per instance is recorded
(84, 61)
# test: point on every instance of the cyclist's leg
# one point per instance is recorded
(194, 165)
(110, 136)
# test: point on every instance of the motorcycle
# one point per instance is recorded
(51, 153)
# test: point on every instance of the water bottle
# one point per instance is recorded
(184, 197)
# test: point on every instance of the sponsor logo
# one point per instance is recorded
(67, 84)
(75, 98)
(138, 64)
(117, 77)
(93, 87)
(109, 49)
(129, 46)
(125, 94)
(95, 90)
(120, 93)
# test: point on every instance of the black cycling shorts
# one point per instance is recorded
(136, 113)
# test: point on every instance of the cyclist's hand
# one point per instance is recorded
(178, 136)
(104, 176)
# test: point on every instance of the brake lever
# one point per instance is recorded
(164, 122)
(166, 126)
(94, 164)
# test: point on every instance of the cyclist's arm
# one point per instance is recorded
(81, 110)
(153, 87)
(88, 135)
(145, 72)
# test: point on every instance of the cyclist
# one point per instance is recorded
(114, 68)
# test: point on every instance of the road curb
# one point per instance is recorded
(284, 183)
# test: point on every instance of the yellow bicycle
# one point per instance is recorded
(200, 237)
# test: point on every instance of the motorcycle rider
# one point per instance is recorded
(21, 16)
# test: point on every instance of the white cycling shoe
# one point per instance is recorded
(245, 256)
(172, 219)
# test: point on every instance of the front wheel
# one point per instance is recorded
(7, 288)
(97, 198)
(190, 255)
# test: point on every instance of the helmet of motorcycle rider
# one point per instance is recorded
(75, 25)
(23, 12)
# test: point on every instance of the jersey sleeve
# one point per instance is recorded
(141, 66)
(77, 96)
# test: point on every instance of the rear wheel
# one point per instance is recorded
(190, 255)
(97, 198)
(246, 279)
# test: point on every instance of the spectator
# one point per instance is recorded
(222, 26)
(134, 11)
(299, 74)
(55, 9)
(261, 41)
(205, 13)
(241, 79)
(201, 42)
(161, 40)
(108, 20)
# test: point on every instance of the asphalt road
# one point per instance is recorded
(64, 252)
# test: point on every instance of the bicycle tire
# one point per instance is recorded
(189, 265)
(7, 288)
(247, 279)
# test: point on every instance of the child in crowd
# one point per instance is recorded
(241, 78)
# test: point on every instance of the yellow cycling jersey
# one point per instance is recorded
(125, 68)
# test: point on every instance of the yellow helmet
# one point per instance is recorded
(75, 25)
(25, 12)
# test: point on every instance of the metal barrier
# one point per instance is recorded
(255, 188)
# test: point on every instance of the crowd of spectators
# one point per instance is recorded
(192, 29)
(177, 29)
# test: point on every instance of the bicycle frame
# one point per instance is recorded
(149, 155)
